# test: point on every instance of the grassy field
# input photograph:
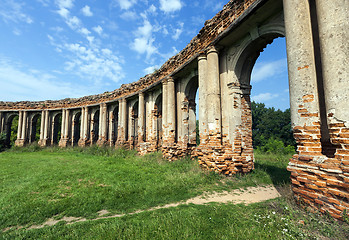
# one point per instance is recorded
(36, 185)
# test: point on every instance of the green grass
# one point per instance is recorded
(39, 184)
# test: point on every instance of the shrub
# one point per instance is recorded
(3, 143)
(276, 146)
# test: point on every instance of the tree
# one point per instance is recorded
(268, 123)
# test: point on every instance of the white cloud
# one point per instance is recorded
(84, 31)
(266, 70)
(93, 64)
(73, 22)
(129, 15)
(57, 29)
(86, 11)
(166, 56)
(178, 31)
(262, 97)
(45, 3)
(152, 9)
(214, 6)
(18, 84)
(169, 6)
(143, 43)
(98, 30)
(63, 12)
(11, 11)
(65, 3)
(125, 4)
(17, 32)
(151, 69)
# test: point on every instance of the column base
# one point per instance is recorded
(83, 142)
(20, 142)
(101, 142)
(44, 142)
(64, 142)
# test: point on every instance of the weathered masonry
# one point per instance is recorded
(158, 111)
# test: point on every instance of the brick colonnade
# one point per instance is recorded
(157, 112)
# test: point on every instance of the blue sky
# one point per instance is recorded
(54, 49)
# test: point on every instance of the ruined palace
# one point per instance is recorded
(158, 112)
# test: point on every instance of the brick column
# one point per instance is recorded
(42, 129)
(82, 123)
(84, 127)
(111, 130)
(19, 129)
(308, 175)
(102, 138)
(164, 110)
(24, 127)
(130, 126)
(1, 122)
(141, 118)
(171, 110)
(333, 33)
(333, 23)
(203, 126)
(213, 93)
(46, 128)
(63, 124)
(122, 123)
(65, 128)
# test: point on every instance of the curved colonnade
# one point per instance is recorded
(159, 111)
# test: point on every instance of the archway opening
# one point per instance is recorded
(191, 130)
(158, 117)
(11, 130)
(270, 106)
(76, 128)
(35, 127)
(95, 127)
(56, 129)
(115, 124)
(134, 123)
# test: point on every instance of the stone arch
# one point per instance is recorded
(34, 127)
(189, 106)
(76, 125)
(245, 61)
(56, 128)
(248, 54)
(94, 133)
(10, 118)
(158, 119)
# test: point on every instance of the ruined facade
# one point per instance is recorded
(157, 113)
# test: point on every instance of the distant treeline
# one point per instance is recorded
(271, 129)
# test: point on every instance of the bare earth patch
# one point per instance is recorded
(246, 196)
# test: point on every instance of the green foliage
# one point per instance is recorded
(197, 133)
(271, 129)
(276, 146)
(14, 129)
(79, 182)
(3, 143)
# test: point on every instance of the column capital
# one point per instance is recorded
(213, 49)
(202, 56)
(170, 79)
(141, 94)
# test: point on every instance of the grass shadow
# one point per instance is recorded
(278, 175)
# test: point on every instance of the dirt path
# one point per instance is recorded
(246, 196)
